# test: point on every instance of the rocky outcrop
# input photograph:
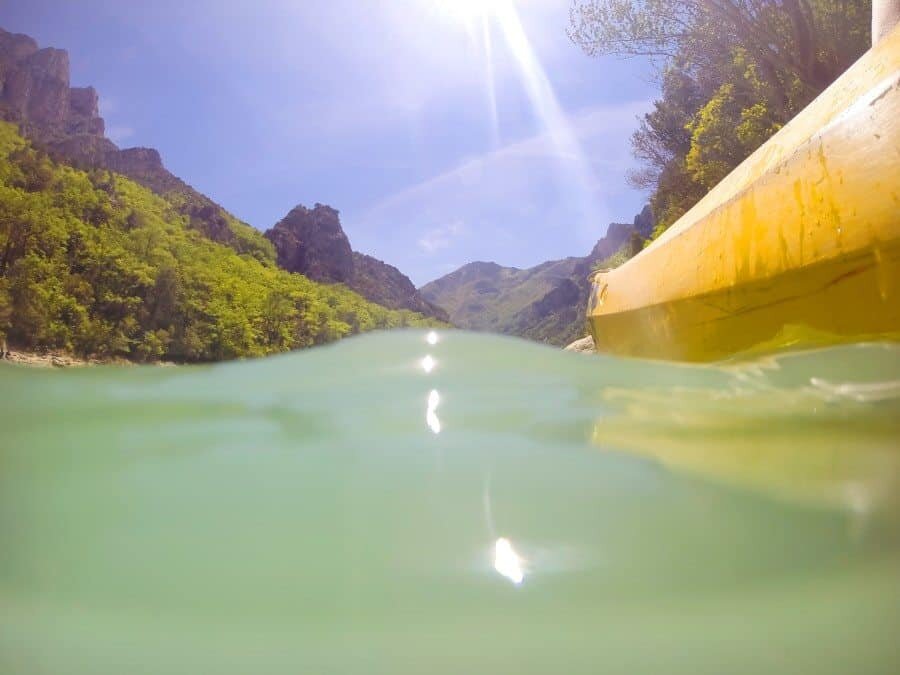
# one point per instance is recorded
(583, 346)
(313, 243)
(546, 303)
(144, 166)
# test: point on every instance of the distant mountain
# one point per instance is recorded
(313, 243)
(65, 122)
(546, 303)
(485, 296)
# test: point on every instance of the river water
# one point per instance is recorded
(453, 503)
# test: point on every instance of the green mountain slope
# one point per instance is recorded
(546, 303)
(93, 263)
(486, 296)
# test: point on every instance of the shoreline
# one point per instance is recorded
(55, 360)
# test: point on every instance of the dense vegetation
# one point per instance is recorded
(95, 264)
(732, 73)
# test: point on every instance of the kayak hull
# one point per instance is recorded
(853, 299)
(798, 246)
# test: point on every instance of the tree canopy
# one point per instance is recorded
(732, 72)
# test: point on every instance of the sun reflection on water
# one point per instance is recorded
(507, 562)
(431, 418)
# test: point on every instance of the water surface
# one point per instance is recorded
(476, 505)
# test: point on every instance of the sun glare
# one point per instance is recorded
(470, 10)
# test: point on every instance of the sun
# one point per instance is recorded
(469, 10)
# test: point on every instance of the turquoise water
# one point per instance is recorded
(515, 509)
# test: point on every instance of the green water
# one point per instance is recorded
(514, 510)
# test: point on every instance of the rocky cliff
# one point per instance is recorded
(546, 303)
(34, 87)
(312, 242)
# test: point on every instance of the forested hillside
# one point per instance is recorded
(93, 263)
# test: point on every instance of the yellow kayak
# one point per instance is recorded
(799, 245)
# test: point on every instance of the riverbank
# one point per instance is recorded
(56, 360)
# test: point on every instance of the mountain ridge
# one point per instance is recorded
(546, 303)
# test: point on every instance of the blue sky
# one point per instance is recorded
(385, 109)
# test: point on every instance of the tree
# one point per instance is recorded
(732, 73)
(812, 41)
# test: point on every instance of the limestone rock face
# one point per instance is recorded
(312, 242)
(35, 91)
(145, 166)
(84, 150)
(84, 112)
(14, 46)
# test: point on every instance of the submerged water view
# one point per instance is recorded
(453, 503)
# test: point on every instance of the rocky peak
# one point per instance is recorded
(313, 243)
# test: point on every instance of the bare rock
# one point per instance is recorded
(35, 91)
(313, 243)
(143, 165)
(84, 112)
(583, 346)
(14, 46)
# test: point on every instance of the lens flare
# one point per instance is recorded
(576, 175)
(470, 10)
